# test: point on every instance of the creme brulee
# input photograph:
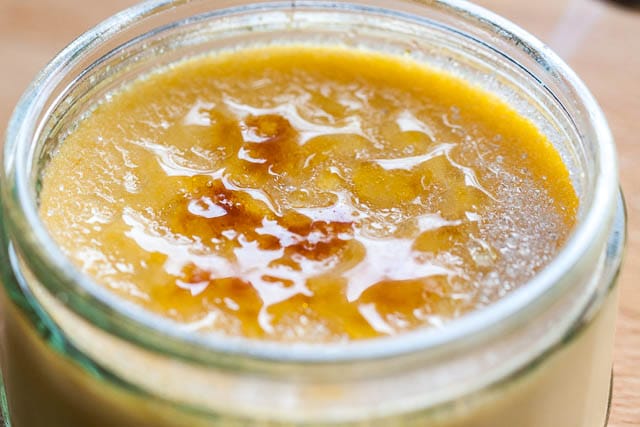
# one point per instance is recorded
(307, 193)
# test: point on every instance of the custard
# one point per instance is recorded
(307, 193)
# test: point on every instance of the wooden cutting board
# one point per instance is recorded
(599, 40)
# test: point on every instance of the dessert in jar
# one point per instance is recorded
(318, 214)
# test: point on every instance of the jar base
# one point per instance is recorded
(609, 401)
(5, 419)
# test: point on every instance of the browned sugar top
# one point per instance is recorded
(307, 193)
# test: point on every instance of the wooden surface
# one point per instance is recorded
(600, 41)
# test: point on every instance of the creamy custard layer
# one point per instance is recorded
(307, 193)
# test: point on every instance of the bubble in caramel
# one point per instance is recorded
(307, 193)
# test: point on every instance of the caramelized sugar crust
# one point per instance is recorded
(307, 193)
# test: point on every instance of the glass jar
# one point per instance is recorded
(73, 355)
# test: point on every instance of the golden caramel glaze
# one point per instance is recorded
(307, 193)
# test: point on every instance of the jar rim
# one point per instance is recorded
(128, 320)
